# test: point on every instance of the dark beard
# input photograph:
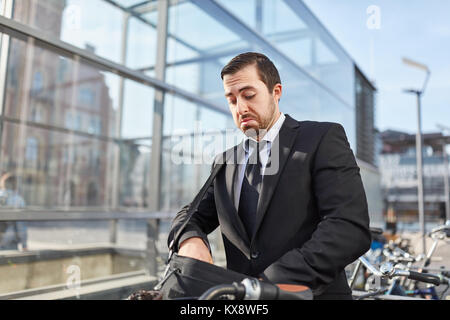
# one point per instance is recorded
(255, 133)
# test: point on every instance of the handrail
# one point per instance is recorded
(62, 215)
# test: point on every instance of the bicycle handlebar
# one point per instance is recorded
(275, 292)
(424, 277)
(388, 270)
(220, 290)
(444, 228)
(253, 289)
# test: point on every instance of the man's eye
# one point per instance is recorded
(249, 97)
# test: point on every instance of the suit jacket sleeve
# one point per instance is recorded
(203, 221)
(342, 234)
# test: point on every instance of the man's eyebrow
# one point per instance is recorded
(240, 90)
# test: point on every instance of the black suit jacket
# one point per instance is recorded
(312, 217)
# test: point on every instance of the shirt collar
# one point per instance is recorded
(270, 135)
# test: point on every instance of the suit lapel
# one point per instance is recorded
(280, 150)
(231, 174)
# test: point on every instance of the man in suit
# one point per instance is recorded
(289, 198)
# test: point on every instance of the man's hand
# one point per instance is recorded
(195, 248)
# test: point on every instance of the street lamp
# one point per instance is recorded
(446, 174)
(419, 163)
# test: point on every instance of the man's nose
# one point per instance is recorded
(242, 107)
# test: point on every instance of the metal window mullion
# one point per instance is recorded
(116, 149)
(50, 127)
(6, 10)
(197, 138)
(24, 104)
(154, 174)
(76, 215)
(158, 108)
(65, 184)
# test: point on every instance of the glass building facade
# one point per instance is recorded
(111, 112)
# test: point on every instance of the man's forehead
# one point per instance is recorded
(241, 80)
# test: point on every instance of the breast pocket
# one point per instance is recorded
(297, 162)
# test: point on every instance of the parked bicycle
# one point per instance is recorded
(396, 275)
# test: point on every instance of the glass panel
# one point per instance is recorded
(304, 100)
(65, 234)
(178, 51)
(77, 22)
(46, 88)
(187, 160)
(279, 18)
(141, 46)
(137, 120)
(135, 149)
(132, 234)
(151, 16)
(51, 169)
(192, 59)
(57, 168)
(186, 20)
(134, 172)
(309, 47)
(244, 10)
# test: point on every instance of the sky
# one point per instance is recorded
(416, 29)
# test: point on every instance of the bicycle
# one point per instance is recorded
(397, 253)
(397, 273)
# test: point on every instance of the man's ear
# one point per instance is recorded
(277, 91)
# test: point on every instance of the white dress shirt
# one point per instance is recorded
(264, 152)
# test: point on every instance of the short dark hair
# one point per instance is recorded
(267, 71)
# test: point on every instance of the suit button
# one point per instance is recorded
(255, 254)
